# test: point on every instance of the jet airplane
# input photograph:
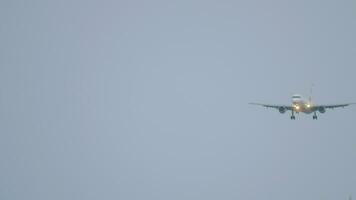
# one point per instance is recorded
(301, 105)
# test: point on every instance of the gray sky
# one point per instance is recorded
(141, 100)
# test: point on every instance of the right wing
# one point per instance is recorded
(287, 107)
(332, 106)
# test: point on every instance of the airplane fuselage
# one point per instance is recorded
(301, 105)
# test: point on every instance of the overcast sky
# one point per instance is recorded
(135, 100)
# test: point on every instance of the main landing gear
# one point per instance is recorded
(292, 117)
(315, 117)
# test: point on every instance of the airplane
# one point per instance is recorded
(300, 105)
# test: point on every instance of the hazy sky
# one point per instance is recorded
(136, 100)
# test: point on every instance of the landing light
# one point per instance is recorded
(308, 105)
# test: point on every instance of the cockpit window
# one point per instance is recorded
(296, 97)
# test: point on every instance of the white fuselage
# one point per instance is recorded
(301, 105)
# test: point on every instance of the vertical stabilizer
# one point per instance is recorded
(311, 93)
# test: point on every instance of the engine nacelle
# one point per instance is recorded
(322, 110)
(282, 109)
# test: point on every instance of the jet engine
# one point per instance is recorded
(282, 109)
(322, 110)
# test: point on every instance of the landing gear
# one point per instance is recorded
(315, 117)
(292, 117)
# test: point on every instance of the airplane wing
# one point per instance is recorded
(287, 107)
(332, 106)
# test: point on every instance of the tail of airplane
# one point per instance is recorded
(311, 93)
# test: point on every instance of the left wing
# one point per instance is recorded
(287, 107)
